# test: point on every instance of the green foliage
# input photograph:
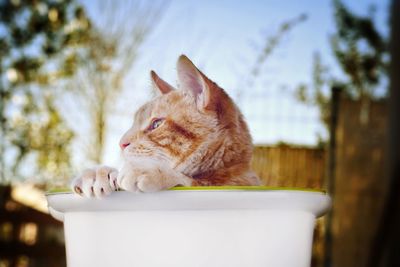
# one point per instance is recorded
(39, 45)
(36, 31)
(41, 131)
(360, 51)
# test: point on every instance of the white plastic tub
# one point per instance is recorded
(250, 226)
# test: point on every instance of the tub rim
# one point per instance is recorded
(66, 190)
(315, 202)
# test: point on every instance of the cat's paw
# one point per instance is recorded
(150, 178)
(141, 180)
(96, 182)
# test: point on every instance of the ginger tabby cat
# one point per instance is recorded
(194, 136)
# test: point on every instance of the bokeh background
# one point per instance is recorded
(318, 82)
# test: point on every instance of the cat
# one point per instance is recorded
(194, 136)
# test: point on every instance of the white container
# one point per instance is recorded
(233, 226)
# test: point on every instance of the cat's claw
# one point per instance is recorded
(97, 182)
(78, 190)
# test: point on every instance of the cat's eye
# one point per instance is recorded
(155, 123)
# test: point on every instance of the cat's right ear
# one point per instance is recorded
(160, 84)
(192, 80)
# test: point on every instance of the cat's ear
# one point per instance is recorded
(160, 84)
(191, 79)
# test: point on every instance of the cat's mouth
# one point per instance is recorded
(138, 153)
(136, 149)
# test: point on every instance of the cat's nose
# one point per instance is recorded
(124, 145)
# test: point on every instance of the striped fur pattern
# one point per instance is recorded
(209, 142)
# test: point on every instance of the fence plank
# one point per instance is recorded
(289, 166)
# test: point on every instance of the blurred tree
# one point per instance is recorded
(274, 40)
(385, 249)
(38, 44)
(362, 56)
(269, 46)
(315, 94)
(361, 53)
(360, 50)
(114, 45)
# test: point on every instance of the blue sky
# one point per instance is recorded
(223, 38)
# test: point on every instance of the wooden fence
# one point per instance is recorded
(360, 181)
(28, 237)
(289, 166)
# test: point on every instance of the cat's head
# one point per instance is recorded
(195, 128)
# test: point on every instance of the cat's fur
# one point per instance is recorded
(195, 136)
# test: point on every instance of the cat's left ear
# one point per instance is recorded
(192, 80)
(160, 84)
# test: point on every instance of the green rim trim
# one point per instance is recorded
(59, 190)
(246, 188)
(207, 188)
